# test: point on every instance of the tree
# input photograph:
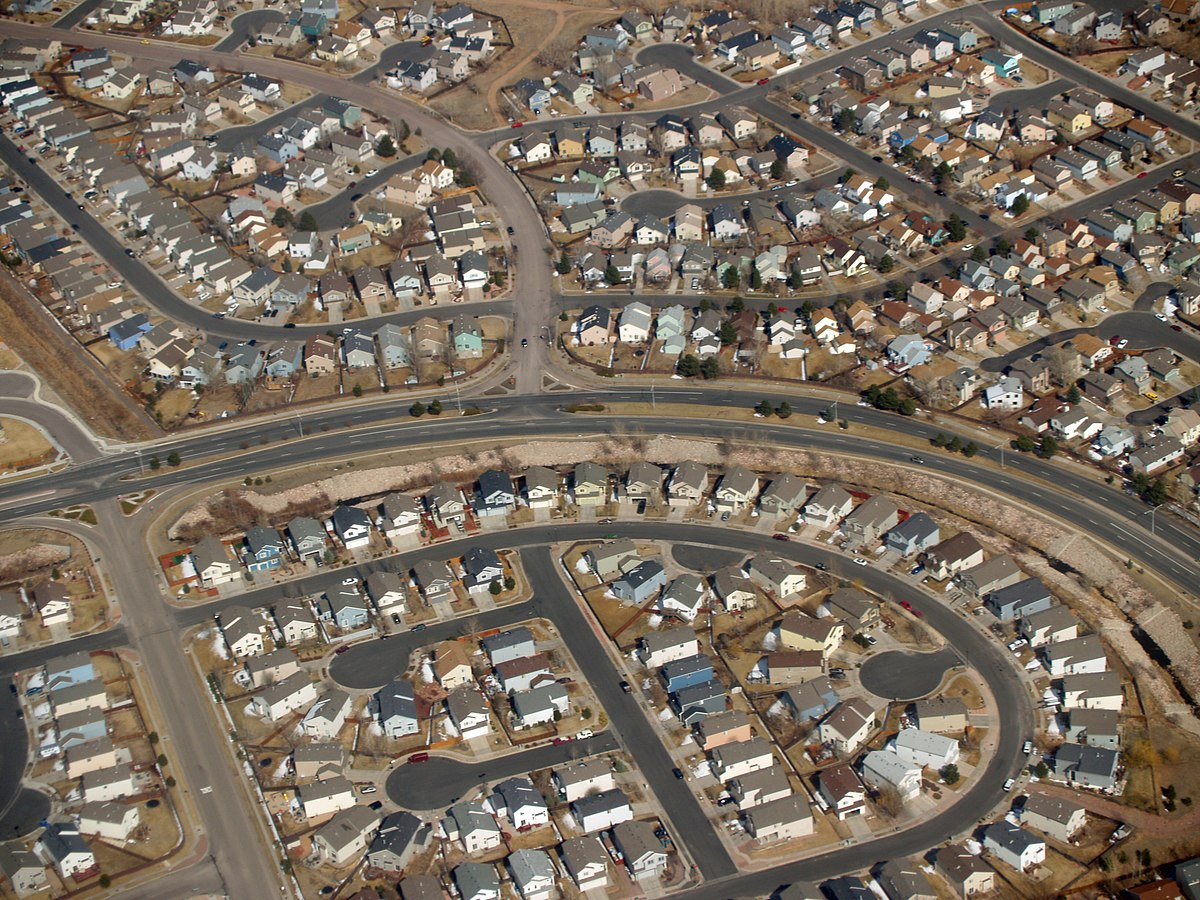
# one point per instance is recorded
(386, 147)
(464, 175)
(611, 275)
(1020, 206)
(848, 174)
(949, 773)
(495, 587)
(688, 366)
(154, 463)
(765, 409)
(1157, 493)
(1073, 395)
(417, 410)
(846, 120)
(784, 410)
(709, 368)
(955, 445)
(898, 289)
(282, 217)
(1048, 447)
(1032, 234)
(736, 305)
(971, 449)
(942, 172)
(731, 278)
(979, 255)
(308, 222)
(509, 582)
(882, 183)
(1025, 444)
(173, 458)
(1003, 246)
(955, 228)
(563, 266)
(778, 169)
(887, 263)
(357, 391)
(1042, 771)
(449, 158)
(105, 880)
(433, 154)
(727, 333)
(716, 179)
(404, 131)
(941, 439)
(755, 279)
(435, 408)
(907, 407)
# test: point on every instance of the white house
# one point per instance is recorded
(925, 749)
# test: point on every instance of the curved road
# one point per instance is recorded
(18, 392)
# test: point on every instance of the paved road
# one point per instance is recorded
(17, 398)
(442, 781)
(80, 12)
(245, 24)
(900, 675)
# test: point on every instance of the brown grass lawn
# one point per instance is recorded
(24, 445)
(173, 405)
(964, 688)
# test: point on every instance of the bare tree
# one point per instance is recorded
(1064, 364)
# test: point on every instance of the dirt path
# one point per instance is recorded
(493, 93)
(1144, 821)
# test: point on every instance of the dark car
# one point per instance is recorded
(420, 627)
(342, 649)
(820, 566)
(378, 804)
(289, 325)
(509, 229)
(524, 342)
(626, 688)
(129, 252)
(725, 801)
(678, 773)
(780, 536)
(396, 618)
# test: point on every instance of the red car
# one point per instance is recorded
(341, 649)
(1142, 174)
(517, 125)
(780, 536)
(763, 81)
(906, 605)
(1114, 340)
(562, 740)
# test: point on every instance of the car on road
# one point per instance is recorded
(1160, 317)
(920, 461)
(762, 81)
(1122, 343)
(341, 649)
(509, 229)
(1140, 175)
(584, 735)
(1114, 340)
(517, 125)
(837, 673)
(625, 687)
(968, 247)
(678, 773)
(372, 173)
(1177, 328)
(562, 740)
(779, 536)
(289, 324)
(877, 158)
(859, 561)
(1178, 173)
(420, 757)
(524, 342)
(420, 627)
(219, 315)
(1027, 748)
(820, 567)
(906, 605)
(1011, 783)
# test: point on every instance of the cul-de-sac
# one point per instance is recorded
(534, 449)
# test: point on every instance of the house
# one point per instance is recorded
(352, 526)
(446, 503)
(475, 881)
(1098, 690)
(242, 630)
(924, 748)
(698, 701)
(784, 819)
(1058, 817)
(1155, 454)
(736, 490)
(778, 576)
(992, 575)
(524, 673)
(212, 564)
(810, 700)
(396, 708)
(688, 484)
(828, 506)
(965, 872)
(644, 854)
(732, 760)
(515, 643)
(882, 769)
(110, 783)
(1094, 727)
(471, 824)
(1022, 598)
(661, 647)
(318, 761)
(1049, 626)
(533, 874)
(801, 632)
(638, 584)
(469, 711)
(902, 880)
(326, 717)
(683, 597)
(496, 494)
(1077, 656)
(1086, 766)
(590, 484)
(759, 787)
(941, 715)
(601, 811)
(854, 608)
(62, 847)
(915, 534)
(344, 836)
(585, 860)
(723, 728)
(400, 836)
(295, 692)
(842, 790)
(540, 705)
(847, 725)
(1014, 846)
(518, 801)
(580, 779)
(541, 487)
(26, 873)
(272, 667)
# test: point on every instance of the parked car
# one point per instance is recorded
(859, 561)
(625, 687)
(779, 536)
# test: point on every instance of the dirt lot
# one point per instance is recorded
(24, 445)
(94, 398)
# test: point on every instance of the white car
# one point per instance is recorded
(584, 735)
(1160, 317)
(372, 173)
(968, 247)
(1008, 785)
(859, 561)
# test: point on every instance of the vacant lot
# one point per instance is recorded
(24, 445)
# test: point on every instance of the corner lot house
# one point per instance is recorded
(1058, 817)
(966, 873)
(780, 820)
